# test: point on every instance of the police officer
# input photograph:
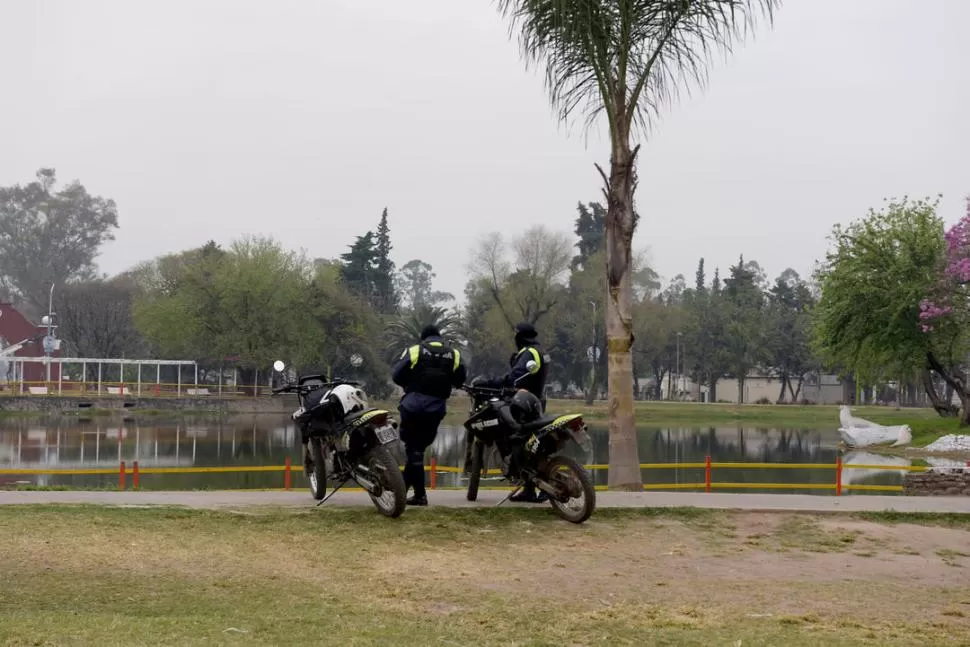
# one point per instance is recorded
(427, 372)
(534, 381)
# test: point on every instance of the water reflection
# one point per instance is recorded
(66, 443)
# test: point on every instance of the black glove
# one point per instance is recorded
(484, 382)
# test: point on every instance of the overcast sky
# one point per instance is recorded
(303, 119)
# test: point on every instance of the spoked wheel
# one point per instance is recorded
(315, 469)
(578, 498)
(475, 473)
(389, 493)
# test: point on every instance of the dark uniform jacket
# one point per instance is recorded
(427, 372)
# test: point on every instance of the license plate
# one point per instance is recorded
(385, 435)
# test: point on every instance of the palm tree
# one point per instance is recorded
(624, 59)
(405, 330)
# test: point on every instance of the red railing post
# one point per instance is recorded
(434, 473)
(135, 476)
(121, 476)
(707, 474)
(287, 483)
(838, 476)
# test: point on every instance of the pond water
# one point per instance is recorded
(75, 443)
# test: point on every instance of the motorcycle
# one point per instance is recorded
(563, 478)
(345, 438)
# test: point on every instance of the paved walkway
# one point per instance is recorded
(456, 499)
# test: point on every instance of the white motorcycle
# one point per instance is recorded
(343, 437)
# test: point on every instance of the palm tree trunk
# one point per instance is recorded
(624, 461)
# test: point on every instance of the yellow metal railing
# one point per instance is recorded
(708, 484)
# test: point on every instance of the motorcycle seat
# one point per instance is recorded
(538, 424)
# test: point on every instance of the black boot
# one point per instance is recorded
(528, 495)
(418, 499)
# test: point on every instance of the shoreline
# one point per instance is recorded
(926, 425)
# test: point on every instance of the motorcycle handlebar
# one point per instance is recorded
(487, 390)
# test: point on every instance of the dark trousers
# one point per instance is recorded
(418, 431)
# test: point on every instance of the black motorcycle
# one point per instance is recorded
(344, 437)
(563, 478)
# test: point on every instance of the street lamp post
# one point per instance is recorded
(49, 345)
(678, 390)
(594, 354)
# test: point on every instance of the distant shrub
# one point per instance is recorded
(762, 401)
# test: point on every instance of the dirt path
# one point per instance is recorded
(455, 498)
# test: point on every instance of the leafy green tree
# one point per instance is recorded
(745, 335)
(174, 297)
(658, 324)
(247, 303)
(415, 285)
(577, 326)
(343, 326)
(873, 282)
(95, 319)
(623, 60)
(359, 272)
(50, 237)
(486, 330)
(788, 319)
(525, 278)
(591, 229)
(707, 315)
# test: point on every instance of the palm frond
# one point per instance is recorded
(626, 58)
(405, 330)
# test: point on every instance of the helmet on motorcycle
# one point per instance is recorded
(525, 407)
(350, 398)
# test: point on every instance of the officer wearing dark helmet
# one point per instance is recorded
(526, 350)
(531, 379)
(427, 372)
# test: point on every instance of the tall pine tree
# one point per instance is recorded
(591, 229)
(360, 267)
(385, 294)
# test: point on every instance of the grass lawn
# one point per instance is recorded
(89, 575)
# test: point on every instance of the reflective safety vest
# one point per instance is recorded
(432, 366)
(534, 383)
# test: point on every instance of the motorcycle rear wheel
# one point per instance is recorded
(475, 473)
(392, 500)
(315, 469)
(567, 473)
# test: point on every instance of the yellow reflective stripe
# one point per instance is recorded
(535, 356)
(457, 360)
(413, 353)
(435, 343)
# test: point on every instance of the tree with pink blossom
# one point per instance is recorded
(945, 313)
(949, 297)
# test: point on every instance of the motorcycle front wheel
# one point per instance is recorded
(315, 468)
(390, 499)
(475, 473)
(578, 499)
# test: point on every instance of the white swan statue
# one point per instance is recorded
(859, 432)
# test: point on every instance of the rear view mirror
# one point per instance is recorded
(532, 366)
(278, 366)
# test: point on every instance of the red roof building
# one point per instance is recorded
(15, 328)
